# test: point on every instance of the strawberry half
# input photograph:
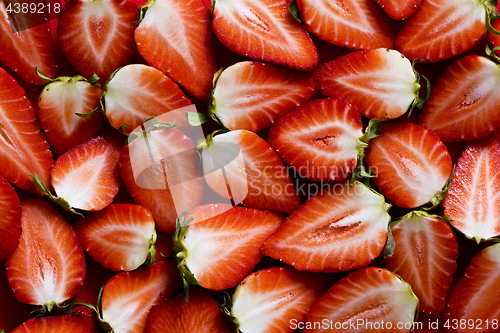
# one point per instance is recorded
(221, 245)
(138, 92)
(27, 50)
(370, 299)
(341, 228)
(252, 95)
(270, 300)
(10, 219)
(381, 82)
(264, 30)
(77, 322)
(412, 165)
(319, 139)
(355, 24)
(425, 256)
(176, 37)
(60, 103)
(464, 101)
(24, 151)
(200, 314)
(86, 177)
(441, 29)
(171, 154)
(399, 9)
(128, 297)
(476, 295)
(242, 166)
(471, 202)
(48, 266)
(119, 237)
(97, 37)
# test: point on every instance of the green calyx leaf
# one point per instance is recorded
(491, 15)
(419, 101)
(390, 246)
(57, 200)
(181, 252)
(154, 125)
(491, 52)
(294, 9)
(197, 118)
(143, 10)
(212, 103)
(371, 131)
(439, 196)
(68, 79)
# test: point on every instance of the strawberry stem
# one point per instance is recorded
(491, 15)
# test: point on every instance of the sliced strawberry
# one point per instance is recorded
(87, 177)
(474, 299)
(245, 163)
(412, 165)
(160, 169)
(138, 92)
(24, 51)
(370, 299)
(24, 151)
(221, 245)
(319, 139)
(399, 9)
(128, 297)
(77, 322)
(264, 30)
(10, 219)
(341, 228)
(252, 95)
(472, 201)
(200, 314)
(425, 256)
(380, 82)
(97, 37)
(48, 266)
(59, 104)
(441, 29)
(176, 38)
(359, 25)
(270, 300)
(119, 237)
(464, 101)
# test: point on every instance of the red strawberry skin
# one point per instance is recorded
(48, 265)
(476, 295)
(58, 104)
(24, 151)
(175, 37)
(118, 237)
(252, 95)
(98, 36)
(200, 314)
(136, 293)
(87, 176)
(441, 29)
(27, 49)
(399, 9)
(464, 101)
(471, 201)
(224, 242)
(355, 24)
(319, 139)
(412, 165)
(10, 219)
(425, 256)
(77, 322)
(264, 30)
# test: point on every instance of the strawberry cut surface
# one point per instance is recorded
(223, 243)
(78, 322)
(264, 30)
(425, 256)
(10, 219)
(472, 201)
(252, 95)
(339, 229)
(319, 139)
(48, 266)
(24, 151)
